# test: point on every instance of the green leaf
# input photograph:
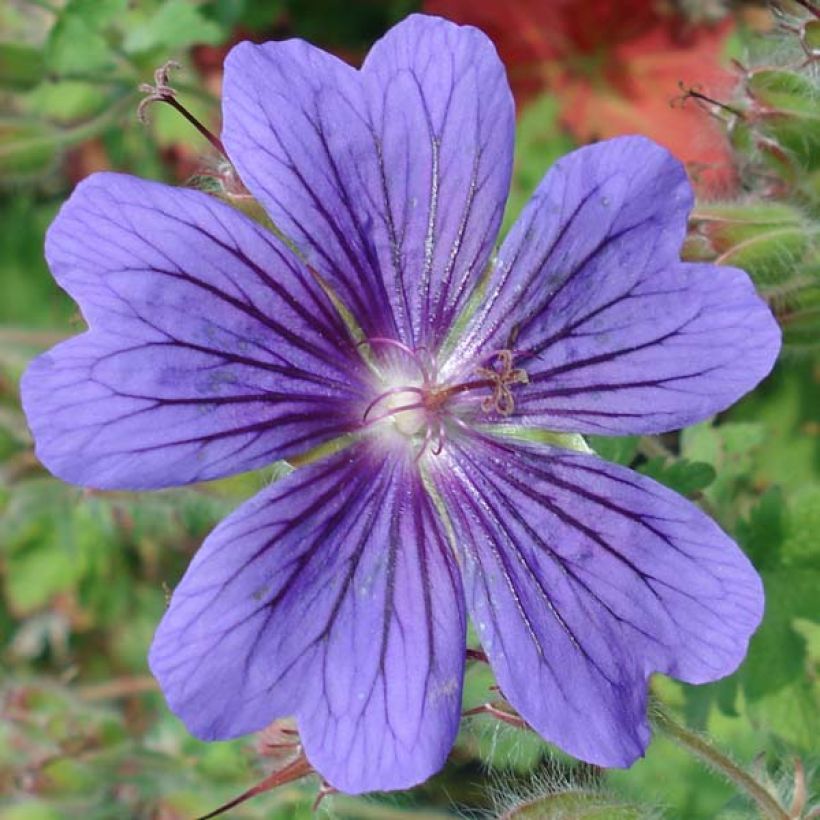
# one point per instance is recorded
(32, 809)
(746, 139)
(781, 538)
(801, 544)
(65, 775)
(727, 223)
(67, 101)
(131, 634)
(250, 14)
(169, 128)
(222, 761)
(96, 14)
(798, 311)
(777, 651)
(686, 477)
(726, 446)
(539, 142)
(75, 47)
(337, 23)
(27, 147)
(21, 66)
(699, 700)
(791, 714)
(51, 532)
(783, 409)
(620, 450)
(176, 25)
(730, 448)
(763, 533)
(33, 577)
(29, 296)
(811, 35)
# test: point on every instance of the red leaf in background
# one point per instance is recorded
(615, 67)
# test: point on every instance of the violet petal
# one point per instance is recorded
(333, 596)
(615, 333)
(583, 578)
(211, 350)
(391, 180)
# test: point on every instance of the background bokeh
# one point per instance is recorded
(731, 88)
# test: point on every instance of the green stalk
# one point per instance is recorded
(66, 137)
(703, 749)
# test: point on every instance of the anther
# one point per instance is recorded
(162, 91)
(412, 354)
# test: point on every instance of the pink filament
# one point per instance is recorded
(405, 349)
(391, 392)
(394, 411)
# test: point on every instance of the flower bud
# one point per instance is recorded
(767, 239)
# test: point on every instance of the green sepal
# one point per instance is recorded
(578, 804)
(766, 239)
(787, 111)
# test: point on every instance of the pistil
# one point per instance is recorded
(502, 401)
(421, 410)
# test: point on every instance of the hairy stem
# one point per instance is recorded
(705, 751)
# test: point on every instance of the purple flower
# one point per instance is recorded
(340, 594)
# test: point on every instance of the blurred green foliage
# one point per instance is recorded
(84, 575)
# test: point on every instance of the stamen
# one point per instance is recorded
(428, 361)
(394, 411)
(441, 436)
(161, 91)
(428, 435)
(405, 349)
(393, 391)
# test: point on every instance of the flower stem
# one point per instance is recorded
(703, 749)
(162, 91)
(653, 447)
(210, 136)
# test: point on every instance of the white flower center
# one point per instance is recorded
(406, 412)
